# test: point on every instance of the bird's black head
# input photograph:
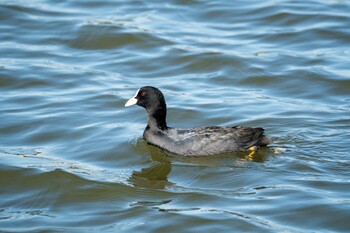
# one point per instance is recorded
(153, 101)
(147, 97)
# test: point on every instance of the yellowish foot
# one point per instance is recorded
(253, 151)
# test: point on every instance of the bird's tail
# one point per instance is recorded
(265, 140)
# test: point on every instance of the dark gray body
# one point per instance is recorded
(204, 141)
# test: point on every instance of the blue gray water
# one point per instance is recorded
(72, 158)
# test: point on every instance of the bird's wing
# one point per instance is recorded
(216, 140)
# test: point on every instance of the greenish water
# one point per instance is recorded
(72, 158)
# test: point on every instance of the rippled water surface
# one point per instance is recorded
(72, 158)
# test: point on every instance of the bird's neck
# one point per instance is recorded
(157, 119)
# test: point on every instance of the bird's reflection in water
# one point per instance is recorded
(156, 175)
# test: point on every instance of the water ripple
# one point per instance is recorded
(72, 158)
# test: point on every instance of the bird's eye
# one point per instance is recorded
(143, 93)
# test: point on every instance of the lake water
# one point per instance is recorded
(72, 157)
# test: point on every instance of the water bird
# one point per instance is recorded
(199, 141)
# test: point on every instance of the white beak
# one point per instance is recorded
(132, 101)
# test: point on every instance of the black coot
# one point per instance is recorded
(199, 141)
